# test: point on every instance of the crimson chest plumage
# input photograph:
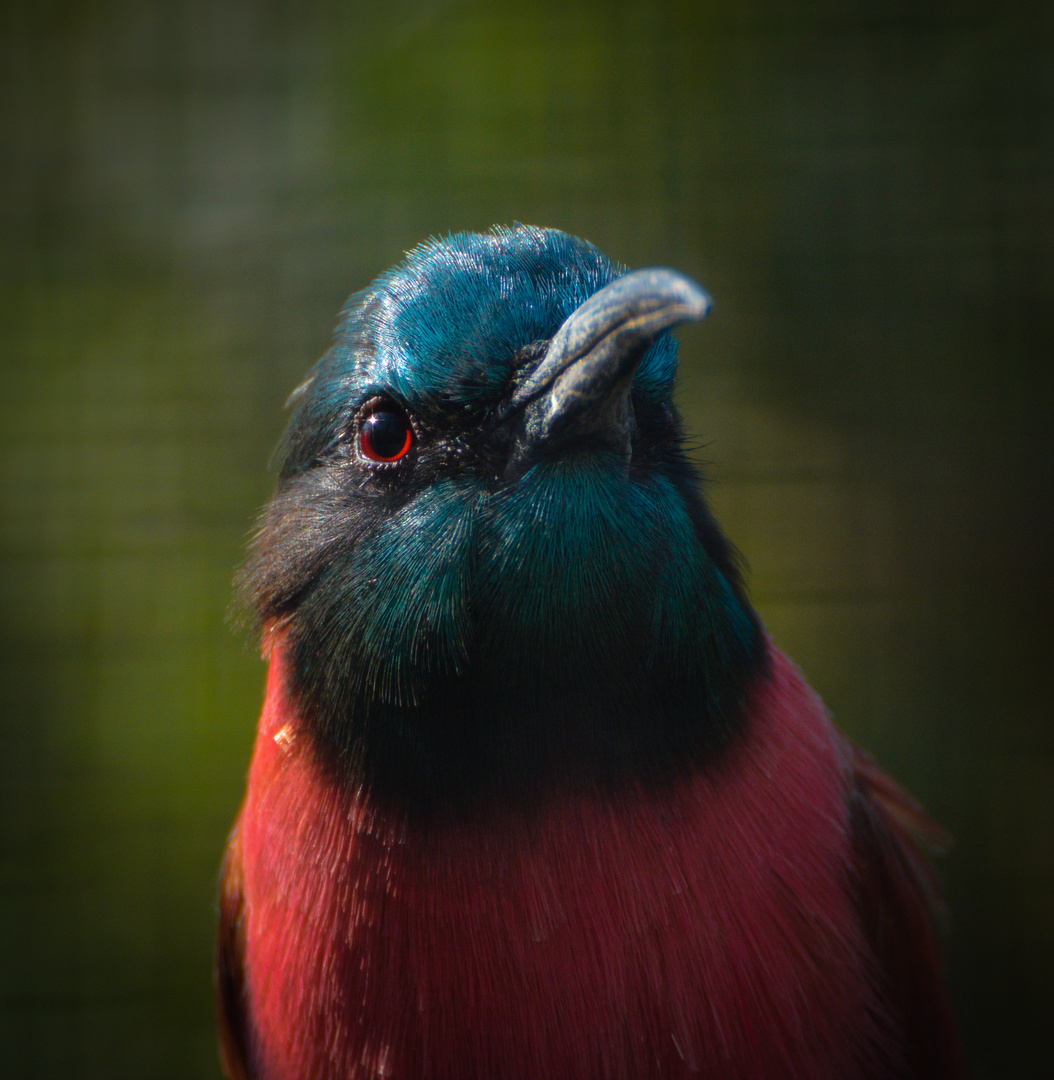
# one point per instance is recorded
(710, 928)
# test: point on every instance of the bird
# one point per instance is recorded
(534, 793)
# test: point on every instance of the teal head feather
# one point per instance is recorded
(523, 587)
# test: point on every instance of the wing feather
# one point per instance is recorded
(901, 908)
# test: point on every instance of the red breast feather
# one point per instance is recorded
(712, 928)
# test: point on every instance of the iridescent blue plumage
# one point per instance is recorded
(446, 328)
(463, 629)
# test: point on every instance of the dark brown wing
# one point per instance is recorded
(900, 908)
(230, 975)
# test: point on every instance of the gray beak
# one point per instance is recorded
(580, 392)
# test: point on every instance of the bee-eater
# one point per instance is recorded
(534, 795)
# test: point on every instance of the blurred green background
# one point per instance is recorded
(189, 190)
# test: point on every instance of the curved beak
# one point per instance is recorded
(580, 391)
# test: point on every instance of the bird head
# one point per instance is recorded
(487, 558)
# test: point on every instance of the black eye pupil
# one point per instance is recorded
(385, 435)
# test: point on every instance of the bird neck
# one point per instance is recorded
(582, 629)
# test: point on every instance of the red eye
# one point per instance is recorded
(385, 434)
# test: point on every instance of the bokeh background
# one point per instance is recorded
(188, 191)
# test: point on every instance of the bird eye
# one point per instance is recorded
(385, 434)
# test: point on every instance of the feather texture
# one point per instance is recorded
(533, 794)
(731, 926)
